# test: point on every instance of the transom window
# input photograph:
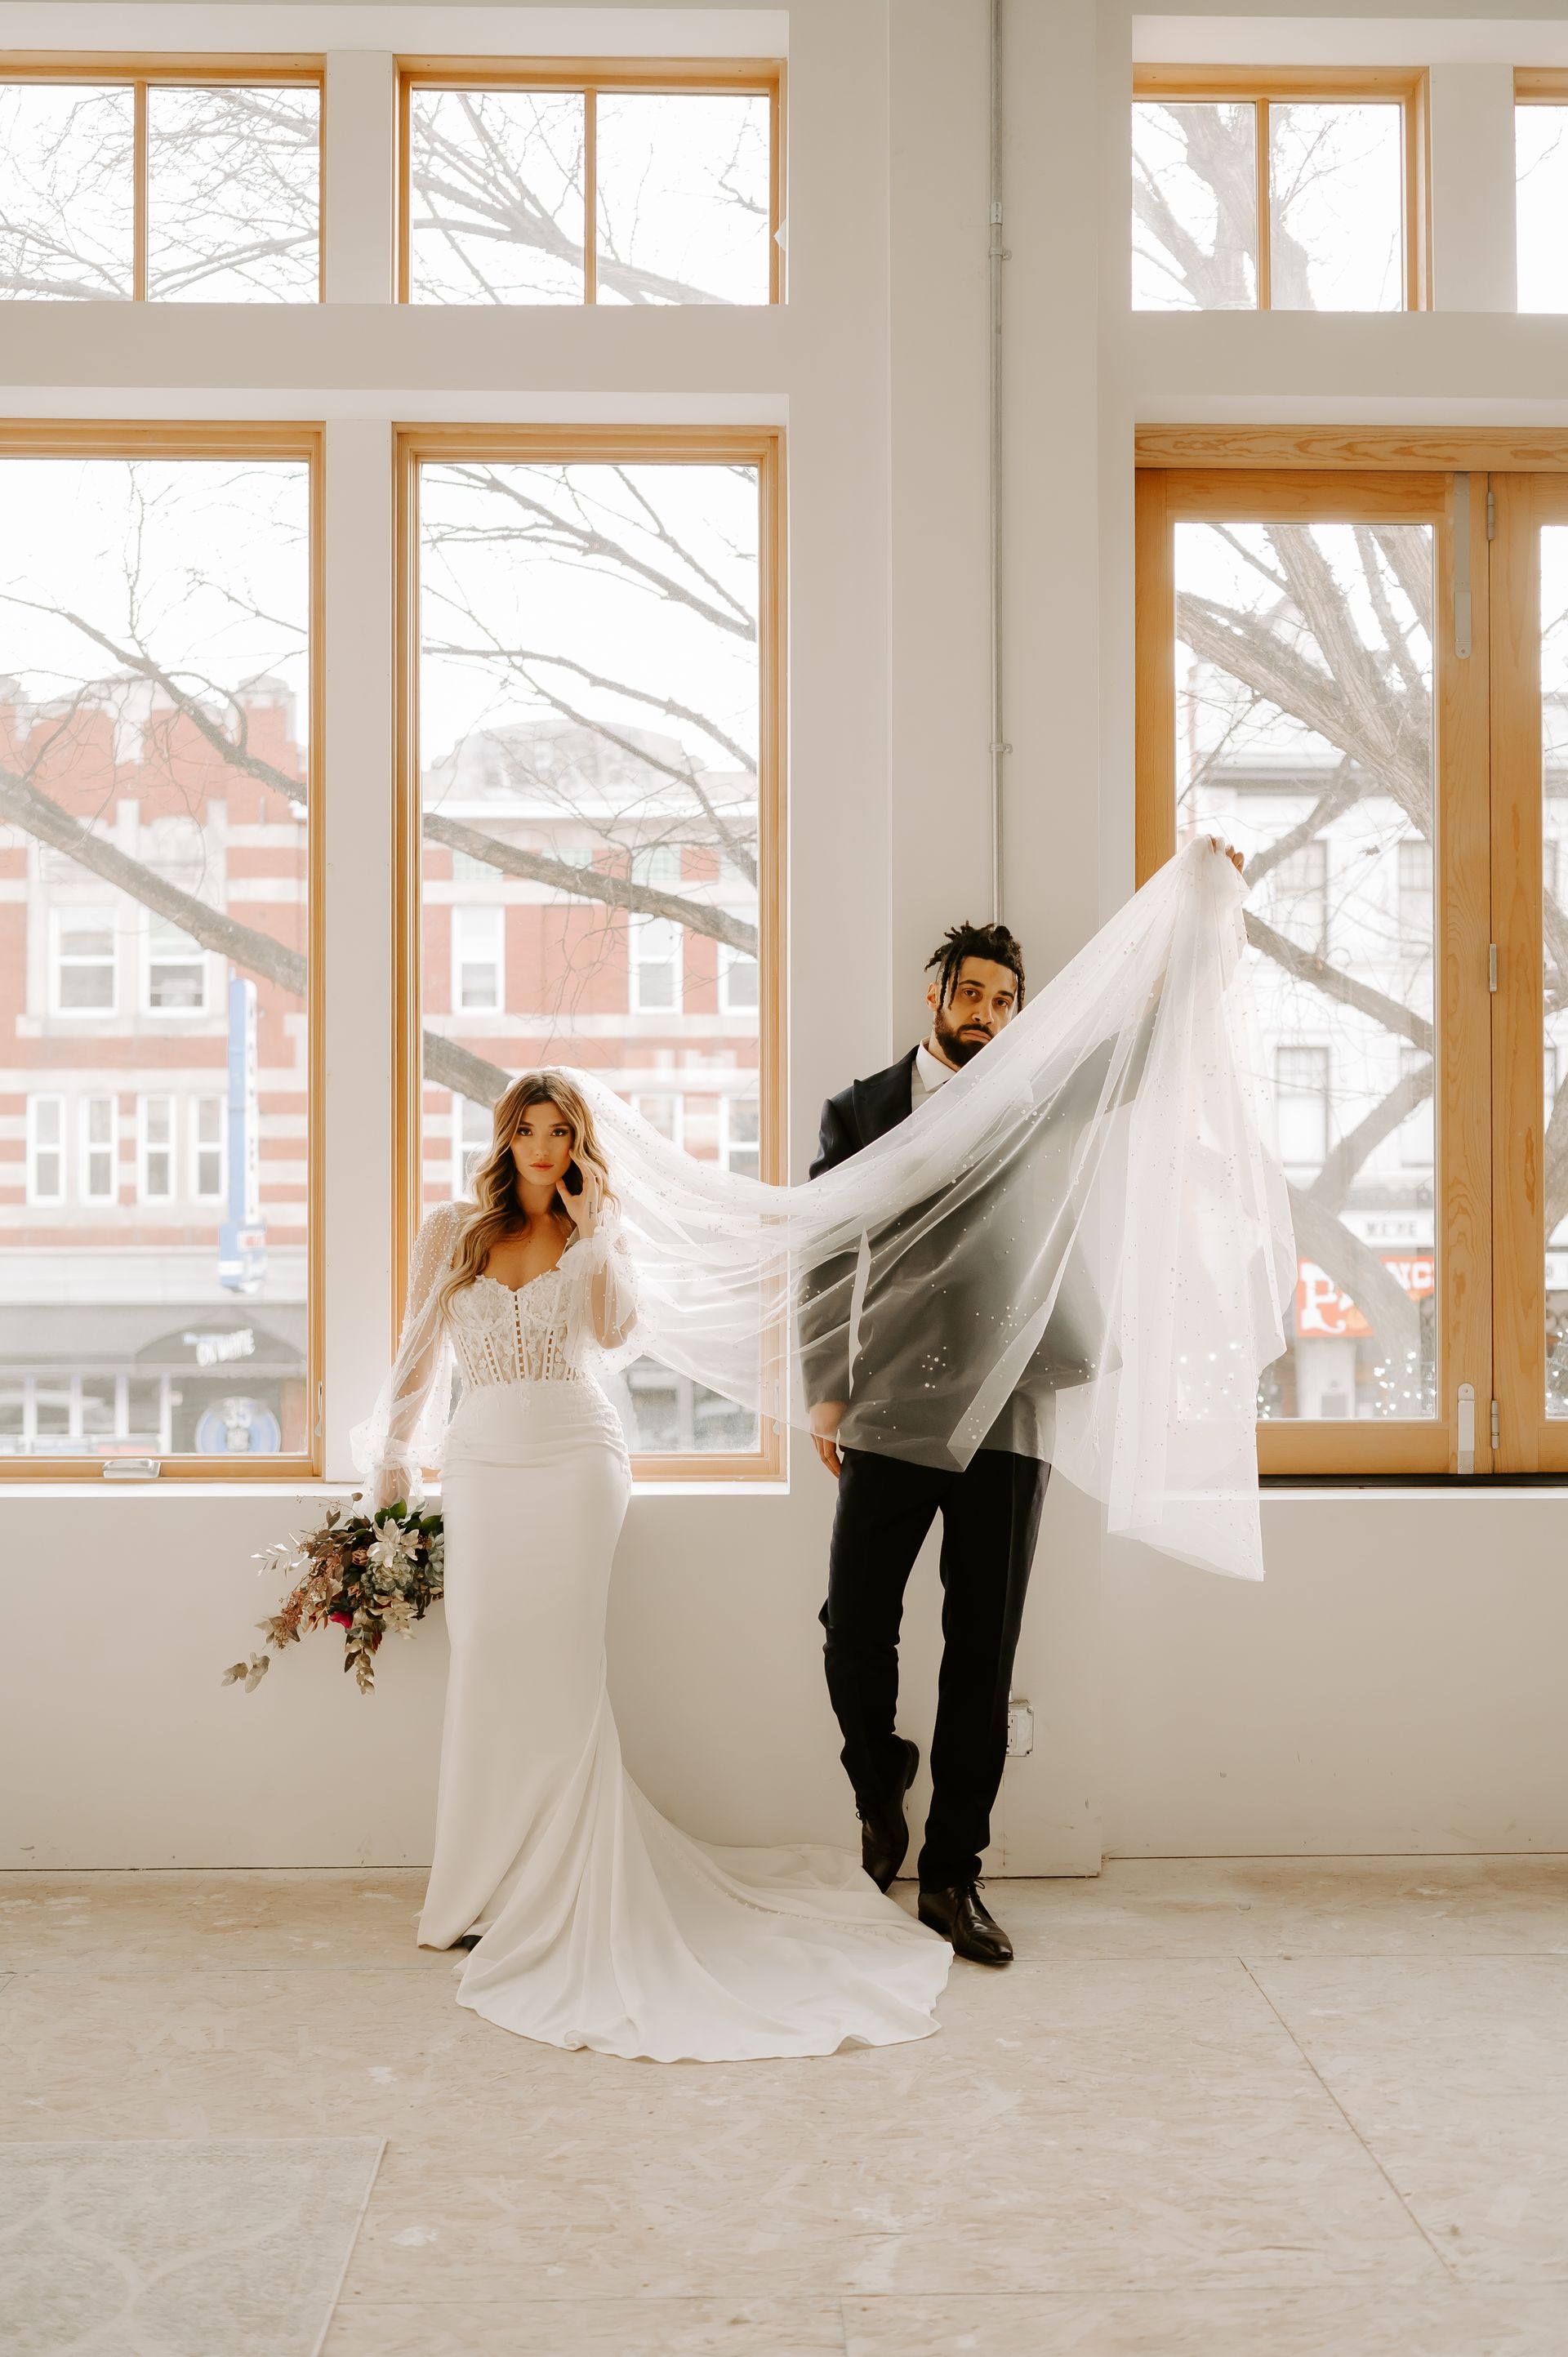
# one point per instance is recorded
(196, 183)
(1541, 164)
(625, 184)
(1291, 192)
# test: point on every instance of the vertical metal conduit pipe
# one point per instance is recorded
(1000, 748)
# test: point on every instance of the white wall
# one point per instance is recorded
(1393, 1683)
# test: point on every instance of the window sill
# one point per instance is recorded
(341, 1492)
(1431, 1486)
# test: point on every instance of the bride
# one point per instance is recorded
(592, 1921)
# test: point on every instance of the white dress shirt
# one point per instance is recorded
(927, 1076)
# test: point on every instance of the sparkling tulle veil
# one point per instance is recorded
(1089, 1210)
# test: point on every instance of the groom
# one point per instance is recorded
(991, 1511)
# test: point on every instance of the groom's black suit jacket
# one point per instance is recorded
(867, 1109)
(891, 1339)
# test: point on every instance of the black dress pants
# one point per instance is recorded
(991, 1515)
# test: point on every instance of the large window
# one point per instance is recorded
(190, 183)
(591, 871)
(1374, 666)
(1290, 192)
(157, 1238)
(620, 184)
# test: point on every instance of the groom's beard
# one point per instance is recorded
(958, 1047)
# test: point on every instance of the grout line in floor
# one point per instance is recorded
(1450, 2272)
(108, 1968)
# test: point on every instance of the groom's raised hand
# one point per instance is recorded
(826, 1418)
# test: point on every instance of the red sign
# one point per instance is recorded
(1321, 1308)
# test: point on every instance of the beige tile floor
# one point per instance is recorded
(1255, 2108)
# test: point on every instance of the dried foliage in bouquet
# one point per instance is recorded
(368, 1573)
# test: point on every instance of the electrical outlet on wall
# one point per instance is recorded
(1020, 1728)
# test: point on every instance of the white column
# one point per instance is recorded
(1474, 266)
(359, 195)
(357, 790)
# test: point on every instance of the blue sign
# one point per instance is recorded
(238, 1427)
(242, 1236)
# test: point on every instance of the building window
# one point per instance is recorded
(739, 1133)
(1301, 1095)
(209, 1148)
(1301, 897)
(162, 186)
(653, 955)
(46, 1149)
(664, 1114)
(83, 962)
(97, 1151)
(657, 864)
(154, 1149)
(176, 970)
(681, 166)
(1298, 192)
(737, 982)
(478, 960)
(473, 1128)
(1416, 892)
(1418, 1133)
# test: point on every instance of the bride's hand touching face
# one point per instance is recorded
(542, 1149)
(582, 1208)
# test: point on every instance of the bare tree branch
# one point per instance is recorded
(512, 859)
(1333, 983)
(448, 1063)
(1334, 1181)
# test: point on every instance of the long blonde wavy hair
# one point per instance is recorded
(497, 1205)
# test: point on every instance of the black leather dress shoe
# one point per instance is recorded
(883, 1833)
(960, 1915)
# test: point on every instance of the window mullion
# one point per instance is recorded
(139, 212)
(1265, 213)
(590, 195)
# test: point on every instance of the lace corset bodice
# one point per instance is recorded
(503, 1334)
(547, 1331)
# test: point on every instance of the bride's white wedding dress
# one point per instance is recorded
(602, 1926)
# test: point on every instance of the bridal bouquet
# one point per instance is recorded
(368, 1573)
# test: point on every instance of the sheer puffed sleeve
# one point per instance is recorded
(405, 1431)
(605, 1303)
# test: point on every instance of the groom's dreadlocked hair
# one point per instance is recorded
(993, 942)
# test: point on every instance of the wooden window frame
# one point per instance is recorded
(1540, 86)
(305, 443)
(117, 69)
(661, 76)
(1488, 887)
(1531, 1441)
(762, 447)
(1303, 84)
(1236, 493)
